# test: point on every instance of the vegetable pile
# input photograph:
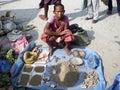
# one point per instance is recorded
(10, 57)
(4, 80)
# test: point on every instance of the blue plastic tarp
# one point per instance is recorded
(5, 66)
(92, 61)
(116, 83)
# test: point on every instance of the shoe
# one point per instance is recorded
(88, 18)
(119, 13)
(94, 21)
(109, 12)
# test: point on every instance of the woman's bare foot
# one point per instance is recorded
(51, 51)
(67, 51)
(43, 17)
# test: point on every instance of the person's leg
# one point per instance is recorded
(109, 12)
(51, 43)
(46, 8)
(45, 16)
(90, 10)
(67, 49)
(50, 48)
(95, 4)
(41, 4)
(118, 6)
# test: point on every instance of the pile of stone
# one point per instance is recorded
(90, 79)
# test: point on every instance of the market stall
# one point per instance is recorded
(62, 72)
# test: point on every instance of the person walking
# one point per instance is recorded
(93, 10)
(110, 7)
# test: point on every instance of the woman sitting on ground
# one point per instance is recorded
(56, 32)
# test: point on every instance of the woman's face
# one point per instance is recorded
(59, 12)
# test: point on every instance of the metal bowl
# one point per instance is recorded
(76, 61)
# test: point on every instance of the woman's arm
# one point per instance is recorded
(66, 26)
(48, 30)
(66, 23)
(66, 30)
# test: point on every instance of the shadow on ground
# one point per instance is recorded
(77, 14)
(103, 14)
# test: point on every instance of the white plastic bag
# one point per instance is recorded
(9, 26)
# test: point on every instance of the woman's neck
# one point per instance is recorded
(59, 19)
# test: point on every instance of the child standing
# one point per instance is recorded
(45, 4)
(56, 32)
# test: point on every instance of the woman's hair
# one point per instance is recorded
(58, 4)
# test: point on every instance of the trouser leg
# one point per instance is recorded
(90, 9)
(95, 4)
(118, 5)
(110, 5)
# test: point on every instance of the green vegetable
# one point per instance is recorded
(4, 80)
(10, 57)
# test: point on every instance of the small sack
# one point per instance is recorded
(81, 38)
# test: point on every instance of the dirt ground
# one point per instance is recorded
(104, 35)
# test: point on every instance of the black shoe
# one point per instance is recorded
(88, 18)
(94, 21)
(109, 12)
(119, 13)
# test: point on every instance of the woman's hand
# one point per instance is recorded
(64, 32)
(52, 38)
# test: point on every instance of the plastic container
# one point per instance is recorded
(33, 74)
